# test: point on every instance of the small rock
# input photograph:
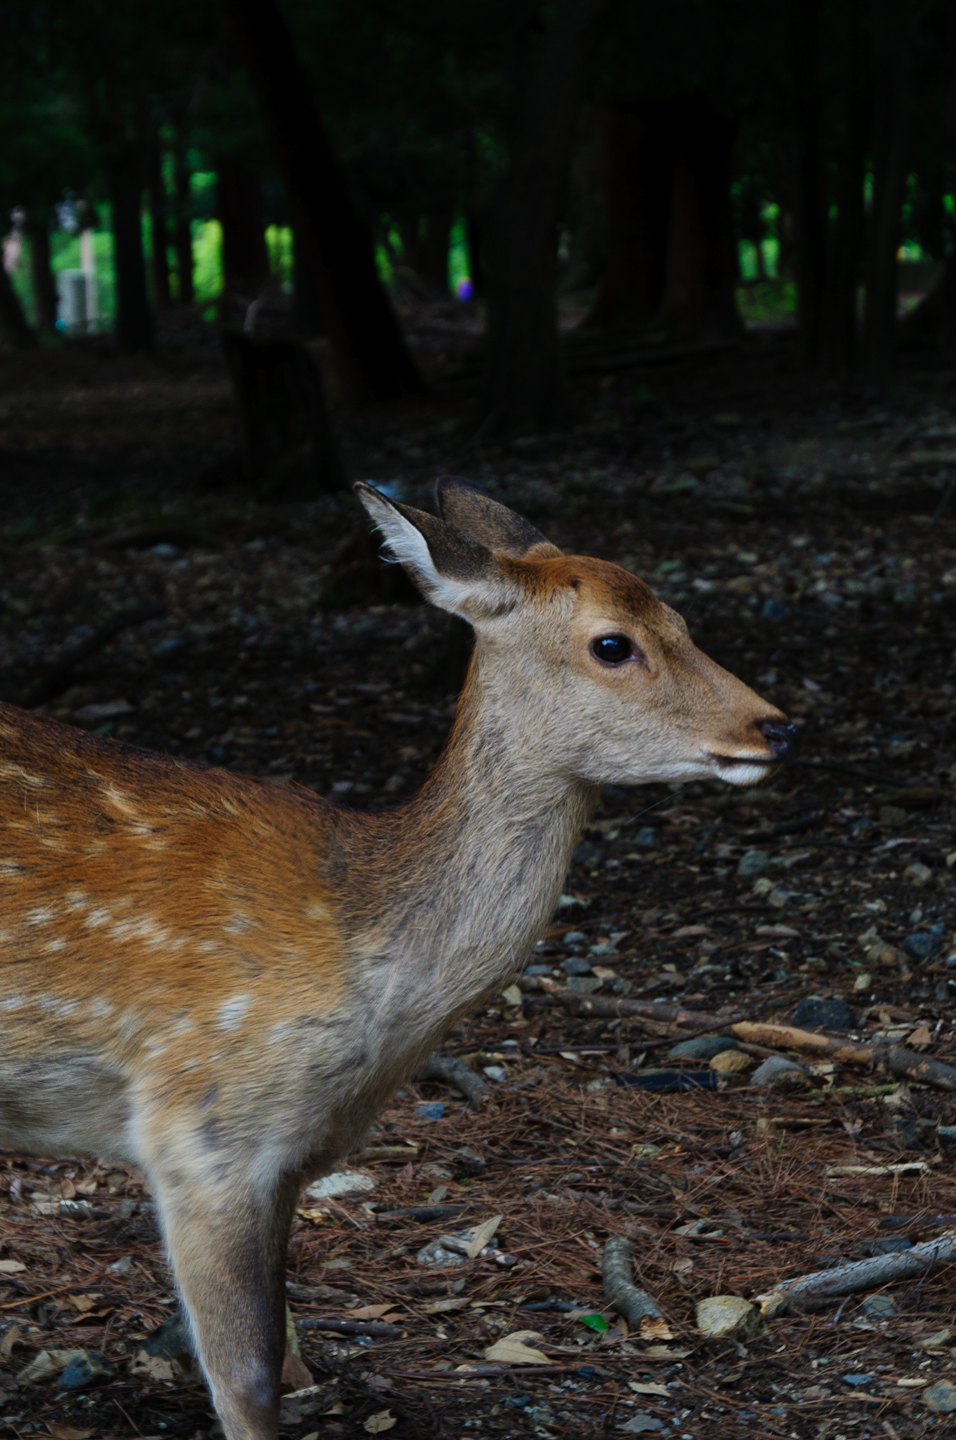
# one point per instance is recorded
(588, 854)
(921, 945)
(728, 1317)
(432, 1111)
(752, 862)
(641, 1422)
(886, 956)
(731, 1062)
(574, 937)
(497, 1073)
(603, 948)
(705, 1047)
(857, 1380)
(340, 1182)
(647, 836)
(918, 873)
(584, 984)
(576, 965)
(940, 1397)
(780, 1074)
(435, 1253)
(938, 1340)
(89, 1368)
(946, 1135)
(824, 1015)
(879, 1306)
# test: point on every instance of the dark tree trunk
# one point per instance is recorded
(840, 322)
(934, 318)
(13, 323)
(523, 385)
(134, 319)
(809, 216)
(288, 446)
(700, 276)
(183, 233)
(368, 345)
(241, 207)
(640, 172)
(893, 39)
(41, 270)
(307, 280)
(158, 217)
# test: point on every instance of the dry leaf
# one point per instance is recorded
(481, 1235)
(666, 1352)
(655, 1329)
(151, 1367)
(512, 1350)
(441, 1307)
(649, 1389)
(383, 1420)
(295, 1372)
(9, 1340)
(370, 1312)
(11, 1267)
(83, 1303)
(920, 1038)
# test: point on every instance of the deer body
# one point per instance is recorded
(222, 981)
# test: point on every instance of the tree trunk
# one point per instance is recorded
(134, 319)
(425, 240)
(183, 233)
(893, 39)
(809, 217)
(13, 323)
(368, 345)
(158, 212)
(307, 279)
(523, 386)
(41, 270)
(241, 207)
(700, 277)
(840, 323)
(640, 172)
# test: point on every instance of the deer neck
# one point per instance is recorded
(480, 854)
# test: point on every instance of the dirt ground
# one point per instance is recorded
(808, 536)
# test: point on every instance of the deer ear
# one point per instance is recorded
(451, 569)
(486, 520)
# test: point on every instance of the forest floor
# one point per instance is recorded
(793, 524)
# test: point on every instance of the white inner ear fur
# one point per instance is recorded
(408, 547)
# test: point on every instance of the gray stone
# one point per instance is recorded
(647, 835)
(824, 1015)
(940, 1397)
(946, 1135)
(879, 1306)
(87, 1369)
(753, 862)
(921, 945)
(576, 965)
(705, 1047)
(642, 1422)
(728, 1317)
(584, 984)
(780, 1074)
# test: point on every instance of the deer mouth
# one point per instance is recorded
(742, 769)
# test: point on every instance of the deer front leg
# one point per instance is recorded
(227, 1244)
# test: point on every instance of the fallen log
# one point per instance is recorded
(895, 1058)
(878, 1270)
(619, 1288)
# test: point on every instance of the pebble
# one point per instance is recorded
(918, 873)
(89, 1368)
(574, 937)
(857, 1379)
(705, 1047)
(576, 965)
(879, 1306)
(584, 984)
(728, 1317)
(498, 1073)
(436, 1108)
(946, 1134)
(731, 1062)
(752, 862)
(641, 1422)
(940, 1397)
(921, 945)
(824, 1014)
(647, 836)
(938, 1340)
(780, 1074)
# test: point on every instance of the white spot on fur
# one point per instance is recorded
(53, 947)
(77, 900)
(13, 1002)
(100, 1007)
(316, 910)
(96, 918)
(41, 916)
(232, 1011)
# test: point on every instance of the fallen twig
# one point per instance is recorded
(617, 1269)
(859, 1275)
(895, 1058)
(455, 1072)
(56, 676)
(372, 1328)
(604, 1005)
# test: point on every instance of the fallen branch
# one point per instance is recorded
(605, 1006)
(455, 1072)
(895, 1058)
(375, 1329)
(860, 1275)
(617, 1269)
(56, 676)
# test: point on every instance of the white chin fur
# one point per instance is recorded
(741, 772)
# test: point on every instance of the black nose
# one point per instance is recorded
(782, 737)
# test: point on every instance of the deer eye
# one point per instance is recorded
(612, 649)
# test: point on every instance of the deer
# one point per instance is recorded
(221, 981)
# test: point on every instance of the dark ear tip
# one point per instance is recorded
(444, 483)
